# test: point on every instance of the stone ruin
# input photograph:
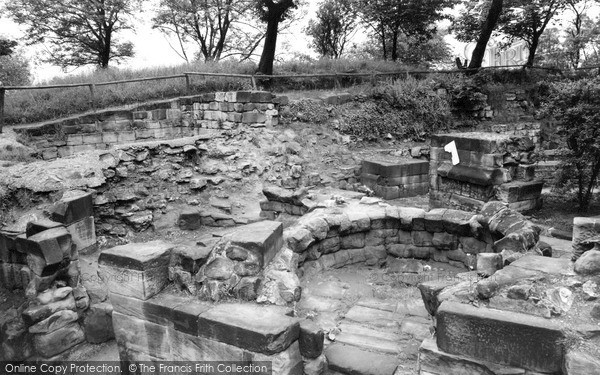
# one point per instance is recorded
(235, 297)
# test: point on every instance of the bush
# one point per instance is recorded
(405, 108)
(576, 106)
(14, 71)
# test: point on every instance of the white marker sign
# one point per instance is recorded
(451, 148)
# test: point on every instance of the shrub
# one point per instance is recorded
(406, 108)
(576, 105)
(14, 71)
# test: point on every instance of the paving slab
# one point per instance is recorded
(554, 266)
(351, 360)
(367, 315)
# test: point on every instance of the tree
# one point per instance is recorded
(526, 20)
(336, 22)
(575, 105)
(272, 12)
(389, 20)
(575, 45)
(220, 28)
(7, 46)
(487, 28)
(77, 32)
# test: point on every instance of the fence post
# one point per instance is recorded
(187, 84)
(253, 82)
(2, 92)
(92, 96)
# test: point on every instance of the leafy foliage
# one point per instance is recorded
(335, 23)
(576, 106)
(407, 108)
(220, 28)
(77, 32)
(14, 71)
(389, 20)
(7, 46)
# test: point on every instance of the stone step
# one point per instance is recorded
(378, 304)
(496, 336)
(375, 317)
(374, 344)
(347, 359)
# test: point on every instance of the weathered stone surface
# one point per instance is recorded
(55, 321)
(265, 238)
(83, 233)
(352, 241)
(262, 329)
(219, 269)
(348, 359)
(37, 226)
(505, 277)
(588, 263)
(189, 258)
(445, 241)
(34, 314)
(53, 295)
(488, 263)
(422, 238)
(311, 339)
(511, 339)
(74, 206)
(53, 245)
(136, 270)
(316, 366)
(580, 363)
(553, 266)
(53, 343)
(142, 336)
(584, 228)
(190, 219)
(288, 362)
(431, 289)
(97, 323)
(433, 361)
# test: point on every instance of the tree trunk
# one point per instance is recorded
(486, 32)
(532, 50)
(265, 66)
(395, 45)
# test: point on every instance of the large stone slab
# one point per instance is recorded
(351, 360)
(142, 336)
(83, 233)
(262, 329)
(519, 191)
(264, 238)
(433, 361)
(395, 168)
(553, 266)
(483, 142)
(137, 270)
(513, 339)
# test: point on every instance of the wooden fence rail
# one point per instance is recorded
(253, 78)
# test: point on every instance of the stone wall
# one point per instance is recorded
(391, 179)
(177, 118)
(491, 167)
(40, 254)
(154, 321)
(369, 233)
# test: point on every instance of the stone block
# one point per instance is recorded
(584, 228)
(519, 191)
(400, 168)
(158, 114)
(513, 339)
(55, 321)
(37, 313)
(263, 238)
(83, 233)
(311, 339)
(126, 136)
(253, 117)
(53, 343)
(261, 97)
(433, 220)
(97, 324)
(37, 226)
(288, 362)
(52, 246)
(412, 218)
(457, 222)
(90, 139)
(352, 241)
(110, 137)
(74, 139)
(488, 263)
(74, 206)
(190, 219)
(137, 270)
(142, 336)
(445, 241)
(262, 329)
(188, 347)
(422, 238)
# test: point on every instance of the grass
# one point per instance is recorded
(28, 106)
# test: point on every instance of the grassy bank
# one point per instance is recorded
(39, 105)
